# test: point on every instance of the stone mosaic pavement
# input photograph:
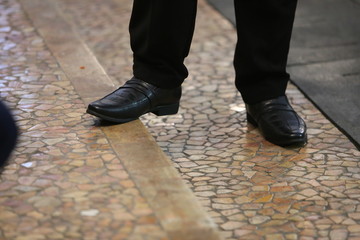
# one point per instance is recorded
(64, 180)
(251, 188)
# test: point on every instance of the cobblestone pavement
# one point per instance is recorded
(64, 180)
(251, 188)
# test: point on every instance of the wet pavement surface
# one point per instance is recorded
(65, 181)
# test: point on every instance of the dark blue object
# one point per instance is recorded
(8, 134)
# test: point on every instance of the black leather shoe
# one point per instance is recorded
(278, 121)
(134, 99)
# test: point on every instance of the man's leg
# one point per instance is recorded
(160, 32)
(264, 30)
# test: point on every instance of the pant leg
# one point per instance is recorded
(160, 34)
(264, 30)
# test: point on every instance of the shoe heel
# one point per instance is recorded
(166, 110)
(251, 120)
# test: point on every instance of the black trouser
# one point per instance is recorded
(161, 33)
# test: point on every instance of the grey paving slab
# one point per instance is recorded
(335, 87)
(325, 57)
(303, 56)
(321, 24)
(225, 7)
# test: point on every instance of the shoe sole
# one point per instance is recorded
(158, 111)
(294, 142)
